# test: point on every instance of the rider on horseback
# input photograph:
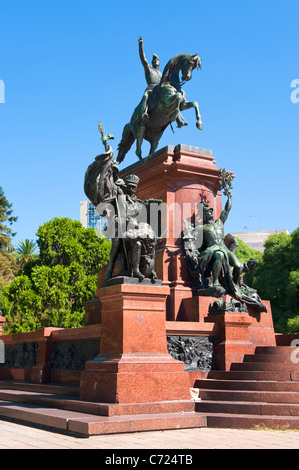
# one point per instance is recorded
(153, 77)
(161, 104)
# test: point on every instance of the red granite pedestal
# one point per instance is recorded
(133, 365)
(233, 339)
(180, 176)
(134, 384)
(239, 333)
(177, 175)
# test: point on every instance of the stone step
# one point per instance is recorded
(279, 357)
(137, 423)
(274, 349)
(227, 420)
(261, 391)
(88, 425)
(260, 385)
(257, 408)
(249, 396)
(70, 403)
(71, 390)
(265, 366)
(254, 375)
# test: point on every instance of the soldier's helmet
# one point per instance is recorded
(132, 180)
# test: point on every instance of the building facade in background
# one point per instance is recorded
(89, 217)
(256, 240)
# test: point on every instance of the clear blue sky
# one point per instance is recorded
(67, 64)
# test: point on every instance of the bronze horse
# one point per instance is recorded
(165, 102)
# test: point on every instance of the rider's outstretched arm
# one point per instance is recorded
(141, 54)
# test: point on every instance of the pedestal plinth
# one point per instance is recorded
(133, 365)
(233, 338)
(180, 176)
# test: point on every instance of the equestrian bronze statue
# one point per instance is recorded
(161, 105)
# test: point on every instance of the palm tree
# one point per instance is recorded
(26, 250)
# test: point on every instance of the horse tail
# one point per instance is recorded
(126, 143)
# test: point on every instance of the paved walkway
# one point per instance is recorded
(17, 436)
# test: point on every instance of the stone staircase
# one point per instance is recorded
(262, 391)
(59, 408)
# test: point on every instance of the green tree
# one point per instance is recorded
(276, 278)
(26, 251)
(7, 259)
(244, 253)
(53, 292)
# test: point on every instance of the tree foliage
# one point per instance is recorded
(5, 217)
(26, 251)
(244, 253)
(7, 259)
(53, 289)
(276, 278)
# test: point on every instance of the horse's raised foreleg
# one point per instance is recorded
(174, 102)
(193, 104)
(181, 121)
